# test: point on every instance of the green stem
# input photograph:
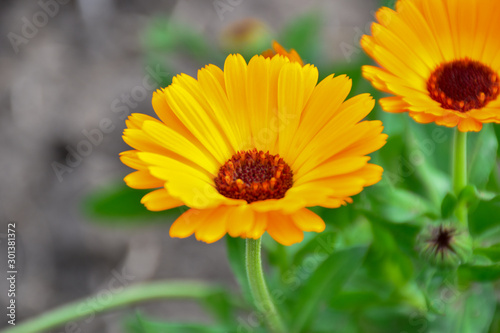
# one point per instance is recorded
(260, 293)
(88, 307)
(460, 172)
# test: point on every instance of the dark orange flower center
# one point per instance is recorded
(463, 85)
(254, 175)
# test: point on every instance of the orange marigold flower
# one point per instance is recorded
(278, 49)
(440, 59)
(250, 147)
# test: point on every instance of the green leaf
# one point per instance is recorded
(391, 319)
(426, 148)
(327, 279)
(482, 156)
(495, 325)
(485, 216)
(354, 300)
(391, 156)
(121, 204)
(403, 235)
(399, 205)
(236, 256)
(469, 196)
(448, 205)
(388, 3)
(478, 273)
(321, 243)
(497, 132)
(476, 313)
(277, 254)
(492, 252)
(143, 325)
(386, 261)
(221, 306)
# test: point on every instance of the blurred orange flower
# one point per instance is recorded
(278, 49)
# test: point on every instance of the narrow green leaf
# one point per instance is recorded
(144, 325)
(326, 280)
(448, 205)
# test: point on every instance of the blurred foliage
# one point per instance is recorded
(364, 273)
(120, 204)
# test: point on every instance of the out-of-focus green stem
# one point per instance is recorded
(260, 293)
(89, 307)
(460, 172)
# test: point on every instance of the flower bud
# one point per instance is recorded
(247, 35)
(446, 245)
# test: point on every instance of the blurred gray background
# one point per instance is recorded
(60, 79)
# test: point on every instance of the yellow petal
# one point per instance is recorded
(213, 226)
(306, 220)
(282, 229)
(320, 109)
(259, 226)
(173, 141)
(295, 84)
(142, 180)
(235, 78)
(188, 222)
(393, 104)
(214, 91)
(129, 158)
(334, 167)
(159, 200)
(199, 123)
(258, 85)
(470, 125)
(240, 220)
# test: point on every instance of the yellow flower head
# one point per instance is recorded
(250, 147)
(278, 49)
(440, 58)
